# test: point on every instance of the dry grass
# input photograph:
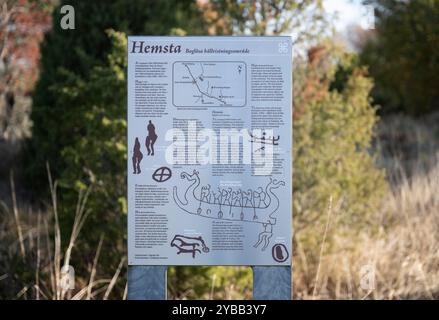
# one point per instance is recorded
(400, 251)
(402, 255)
(32, 255)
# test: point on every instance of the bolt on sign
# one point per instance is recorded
(209, 150)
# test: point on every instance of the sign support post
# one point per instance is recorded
(149, 283)
(272, 283)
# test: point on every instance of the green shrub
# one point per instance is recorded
(71, 55)
(333, 130)
(403, 55)
(96, 158)
(85, 136)
(79, 112)
(210, 282)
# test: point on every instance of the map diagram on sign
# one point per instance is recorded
(209, 84)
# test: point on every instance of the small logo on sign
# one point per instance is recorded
(280, 253)
(283, 47)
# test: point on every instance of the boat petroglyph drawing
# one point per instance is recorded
(258, 205)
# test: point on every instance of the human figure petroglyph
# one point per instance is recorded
(216, 197)
(220, 201)
(228, 198)
(137, 157)
(262, 196)
(205, 192)
(151, 138)
(265, 236)
(256, 198)
(247, 198)
(236, 198)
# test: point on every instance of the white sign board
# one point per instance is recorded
(209, 150)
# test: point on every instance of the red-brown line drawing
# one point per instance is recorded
(151, 138)
(186, 244)
(137, 157)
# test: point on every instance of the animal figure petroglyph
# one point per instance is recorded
(190, 245)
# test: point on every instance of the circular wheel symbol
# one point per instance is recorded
(162, 174)
(279, 252)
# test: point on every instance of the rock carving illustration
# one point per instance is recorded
(264, 141)
(253, 206)
(190, 245)
(162, 174)
(151, 138)
(137, 157)
(280, 252)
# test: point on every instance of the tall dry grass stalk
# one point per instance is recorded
(114, 279)
(401, 249)
(404, 252)
(94, 268)
(16, 216)
(44, 254)
(322, 248)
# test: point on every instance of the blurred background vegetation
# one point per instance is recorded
(366, 111)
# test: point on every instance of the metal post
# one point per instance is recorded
(272, 283)
(147, 282)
